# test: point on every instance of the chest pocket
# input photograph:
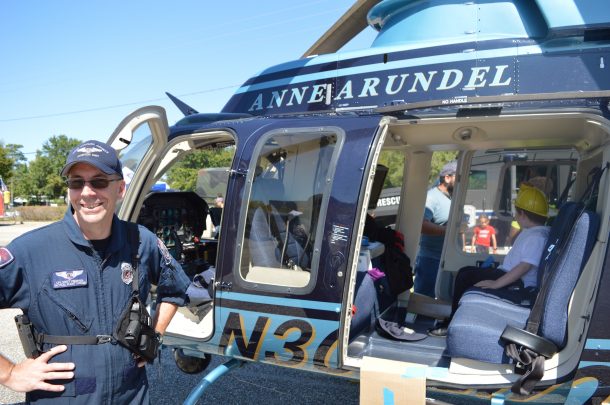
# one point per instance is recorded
(62, 310)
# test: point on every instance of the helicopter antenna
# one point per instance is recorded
(182, 106)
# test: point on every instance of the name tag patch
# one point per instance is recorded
(69, 279)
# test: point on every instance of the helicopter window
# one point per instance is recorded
(132, 155)
(386, 206)
(281, 232)
(493, 183)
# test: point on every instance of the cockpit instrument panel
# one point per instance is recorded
(178, 219)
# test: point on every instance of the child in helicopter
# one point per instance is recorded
(540, 182)
(484, 236)
(520, 266)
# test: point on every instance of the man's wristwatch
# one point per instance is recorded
(159, 337)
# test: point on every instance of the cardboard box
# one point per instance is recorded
(387, 382)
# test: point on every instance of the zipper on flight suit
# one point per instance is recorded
(68, 312)
(103, 307)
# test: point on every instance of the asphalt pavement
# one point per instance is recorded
(252, 383)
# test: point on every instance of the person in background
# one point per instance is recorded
(74, 279)
(512, 233)
(484, 236)
(462, 232)
(212, 220)
(436, 215)
(520, 266)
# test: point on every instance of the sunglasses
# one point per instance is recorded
(99, 184)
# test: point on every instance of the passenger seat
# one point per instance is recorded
(481, 318)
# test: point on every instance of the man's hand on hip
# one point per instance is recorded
(32, 374)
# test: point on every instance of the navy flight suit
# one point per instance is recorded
(65, 288)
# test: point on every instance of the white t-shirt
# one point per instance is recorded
(528, 248)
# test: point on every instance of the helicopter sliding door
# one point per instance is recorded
(294, 204)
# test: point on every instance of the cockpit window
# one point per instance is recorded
(289, 178)
(132, 155)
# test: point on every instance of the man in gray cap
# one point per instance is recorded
(75, 280)
(436, 215)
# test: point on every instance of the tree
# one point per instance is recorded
(42, 176)
(394, 160)
(183, 175)
(6, 163)
(16, 153)
(438, 161)
(22, 182)
(55, 151)
(37, 177)
(18, 169)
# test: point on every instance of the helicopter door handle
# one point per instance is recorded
(223, 285)
(238, 172)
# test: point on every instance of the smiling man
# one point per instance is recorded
(76, 281)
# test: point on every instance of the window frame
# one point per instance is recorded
(316, 133)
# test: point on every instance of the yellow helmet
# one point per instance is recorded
(533, 200)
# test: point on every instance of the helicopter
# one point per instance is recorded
(517, 90)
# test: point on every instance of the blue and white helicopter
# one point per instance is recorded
(518, 90)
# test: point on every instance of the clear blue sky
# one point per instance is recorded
(76, 68)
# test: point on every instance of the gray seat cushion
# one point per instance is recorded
(475, 330)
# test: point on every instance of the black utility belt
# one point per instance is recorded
(134, 331)
(74, 340)
(32, 341)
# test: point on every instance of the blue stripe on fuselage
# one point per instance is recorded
(287, 302)
(597, 344)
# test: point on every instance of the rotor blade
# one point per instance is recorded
(347, 26)
(182, 106)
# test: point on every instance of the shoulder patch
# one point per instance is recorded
(6, 257)
(167, 257)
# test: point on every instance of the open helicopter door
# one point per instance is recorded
(138, 140)
(290, 241)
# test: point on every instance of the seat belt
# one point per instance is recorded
(564, 194)
(527, 359)
(41, 338)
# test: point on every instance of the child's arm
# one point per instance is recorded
(510, 277)
(494, 244)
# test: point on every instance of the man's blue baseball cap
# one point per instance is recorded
(97, 154)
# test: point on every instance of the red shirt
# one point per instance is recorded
(483, 235)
